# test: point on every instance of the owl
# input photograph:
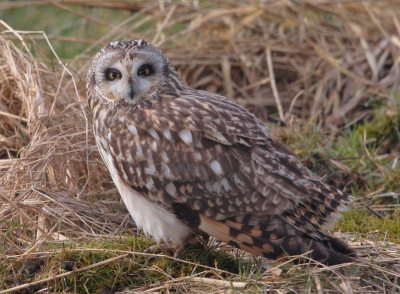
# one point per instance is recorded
(186, 160)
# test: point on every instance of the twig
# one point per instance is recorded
(216, 282)
(373, 211)
(22, 212)
(164, 23)
(318, 284)
(294, 101)
(13, 116)
(370, 283)
(273, 84)
(226, 73)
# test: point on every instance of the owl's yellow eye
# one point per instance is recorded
(145, 70)
(113, 74)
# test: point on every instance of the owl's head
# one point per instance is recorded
(129, 71)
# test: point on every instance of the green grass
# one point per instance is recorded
(136, 270)
(75, 32)
(364, 223)
(359, 148)
(58, 23)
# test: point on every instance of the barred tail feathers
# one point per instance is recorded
(330, 251)
(317, 211)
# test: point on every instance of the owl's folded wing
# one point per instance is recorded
(215, 158)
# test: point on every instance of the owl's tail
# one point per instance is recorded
(269, 244)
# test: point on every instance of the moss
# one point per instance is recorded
(134, 271)
(363, 223)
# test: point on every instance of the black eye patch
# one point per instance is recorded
(112, 74)
(146, 70)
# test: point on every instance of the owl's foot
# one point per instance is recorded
(176, 250)
(169, 246)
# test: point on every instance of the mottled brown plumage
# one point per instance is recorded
(186, 159)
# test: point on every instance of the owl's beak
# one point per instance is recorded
(131, 90)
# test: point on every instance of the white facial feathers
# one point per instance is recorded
(135, 75)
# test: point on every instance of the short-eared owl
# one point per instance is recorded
(184, 159)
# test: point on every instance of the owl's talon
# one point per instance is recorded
(168, 246)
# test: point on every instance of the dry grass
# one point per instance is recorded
(305, 61)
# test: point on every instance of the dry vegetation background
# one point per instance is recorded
(316, 71)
